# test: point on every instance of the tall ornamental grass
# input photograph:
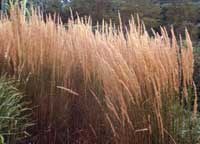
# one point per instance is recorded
(108, 85)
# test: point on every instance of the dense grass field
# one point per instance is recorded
(111, 85)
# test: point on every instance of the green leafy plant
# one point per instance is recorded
(14, 115)
(1, 139)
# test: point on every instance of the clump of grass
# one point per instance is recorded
(14, 114)
(107, 86)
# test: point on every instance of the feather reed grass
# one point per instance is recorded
(107, 86)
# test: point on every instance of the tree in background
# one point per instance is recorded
(148, 10)
(108, 9)
(181, 15)
(97, 9)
